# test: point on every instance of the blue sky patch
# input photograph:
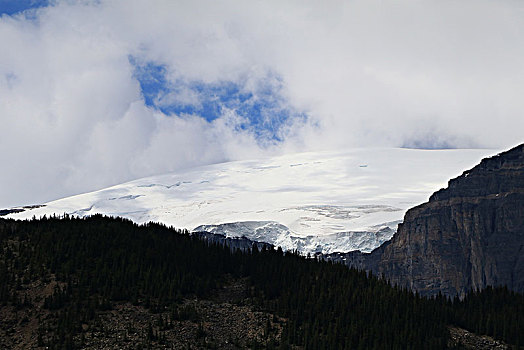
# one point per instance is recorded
(11, 7)
(264, 111)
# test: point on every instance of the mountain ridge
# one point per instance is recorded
(467, 236)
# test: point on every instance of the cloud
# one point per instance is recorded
(94, 93)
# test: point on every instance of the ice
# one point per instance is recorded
(316, 201)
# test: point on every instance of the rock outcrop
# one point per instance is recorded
(467, 236)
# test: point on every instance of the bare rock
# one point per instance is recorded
(467, 236)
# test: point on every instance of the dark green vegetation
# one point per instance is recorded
(99, 262)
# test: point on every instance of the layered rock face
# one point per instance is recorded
(467, 236)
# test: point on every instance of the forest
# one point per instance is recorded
(98, 263)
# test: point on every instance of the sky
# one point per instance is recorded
(96, 93)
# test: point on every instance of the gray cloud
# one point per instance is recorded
(367, 73)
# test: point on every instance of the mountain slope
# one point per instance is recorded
(467, 236)
(106, 283)
(314, 202)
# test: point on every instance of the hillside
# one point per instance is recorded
(101, 283)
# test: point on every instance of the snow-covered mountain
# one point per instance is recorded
(314, 202)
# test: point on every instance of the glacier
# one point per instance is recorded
(313, 202)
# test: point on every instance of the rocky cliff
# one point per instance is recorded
(467, 236)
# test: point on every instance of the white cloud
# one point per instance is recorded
(368, 73)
